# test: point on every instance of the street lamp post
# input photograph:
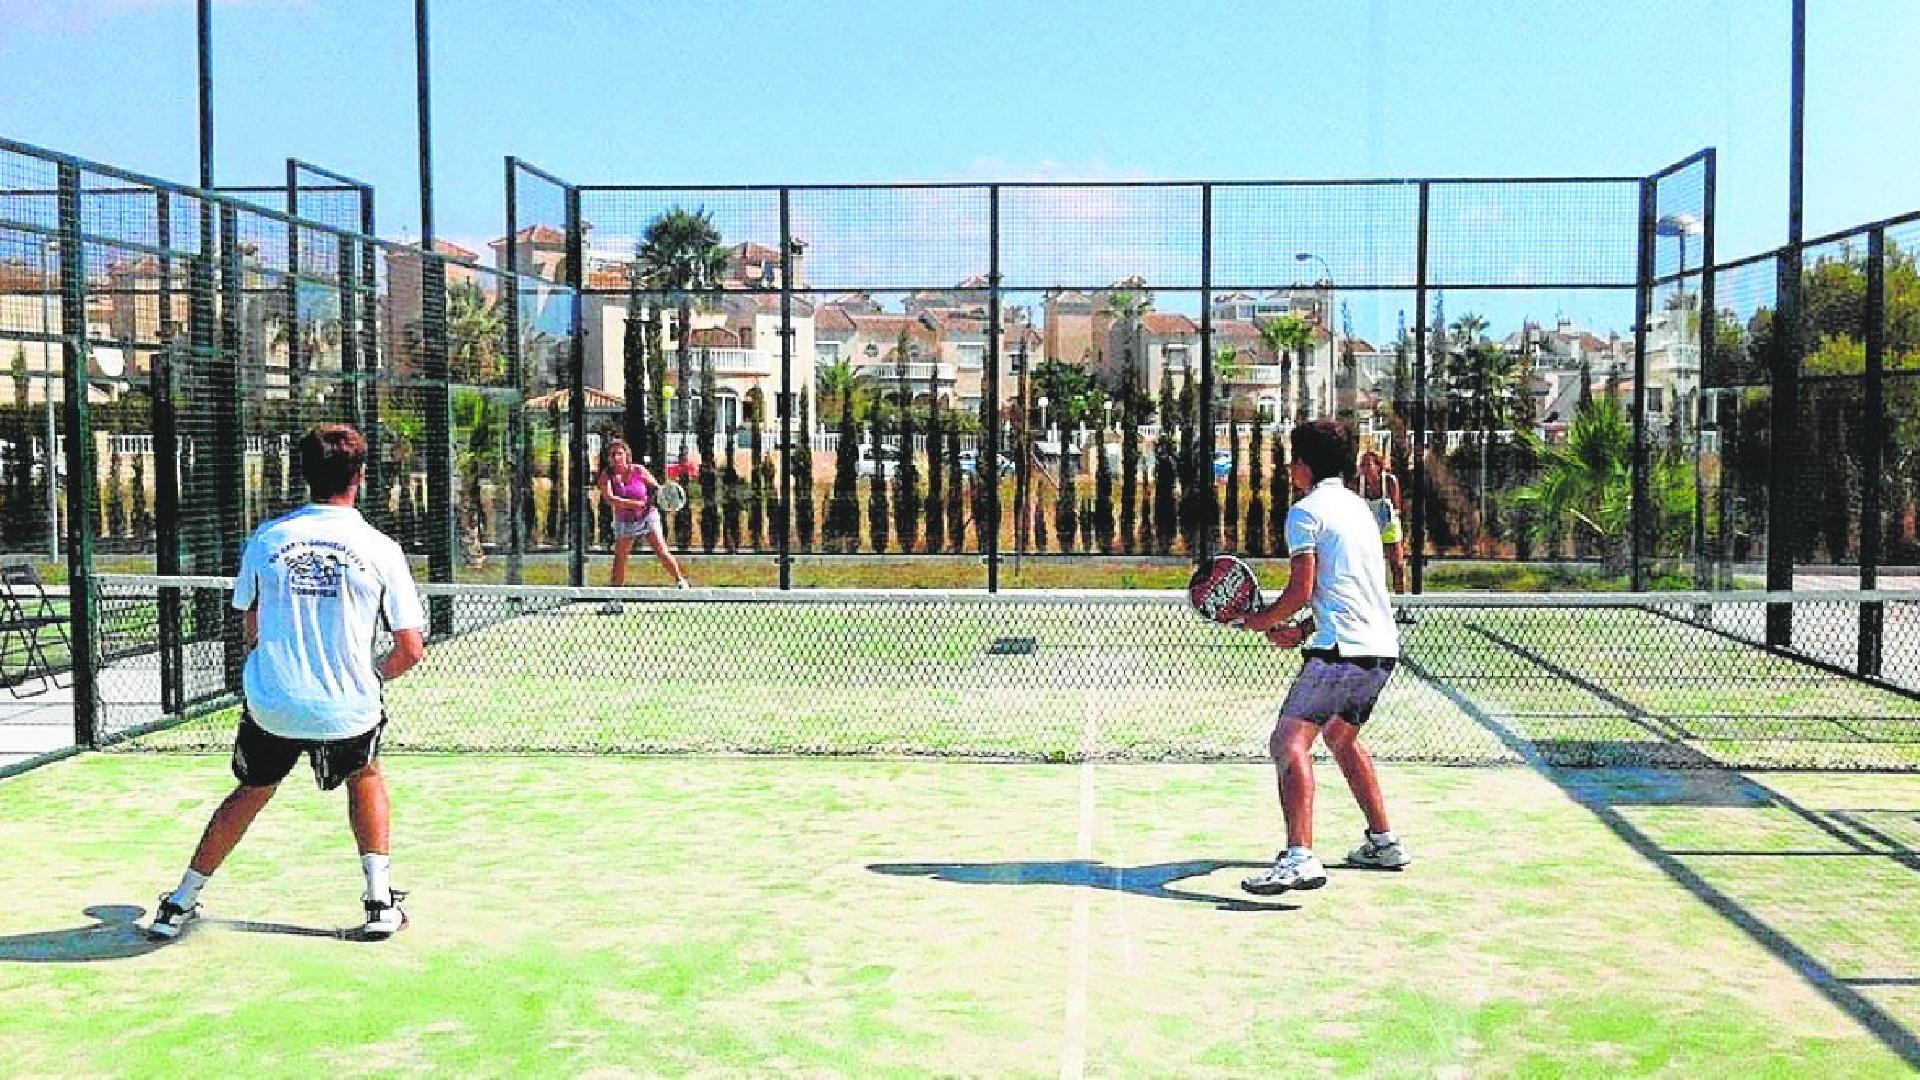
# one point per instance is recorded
(1326, 317)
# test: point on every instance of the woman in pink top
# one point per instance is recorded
(629, 488)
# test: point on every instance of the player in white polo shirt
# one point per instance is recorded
(316, 585)
(1350, 648)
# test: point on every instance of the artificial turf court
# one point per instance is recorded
(726, 915)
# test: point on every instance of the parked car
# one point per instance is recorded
(970, 463)
(885, 464)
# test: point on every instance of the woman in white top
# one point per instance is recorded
(1381, 489)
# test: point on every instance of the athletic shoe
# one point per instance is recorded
(1375, 855)
(170, 919)
(1403, 616)
(384, 920)
(611, 607)
(682, 583)
(1290, 871)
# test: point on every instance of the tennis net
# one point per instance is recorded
(1668, 679)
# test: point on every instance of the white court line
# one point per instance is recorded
(1073, 1050)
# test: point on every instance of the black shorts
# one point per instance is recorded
(263, 759)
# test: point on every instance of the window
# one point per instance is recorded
(1176, 357)
(971, 355)
(826, 353)
(726, 412)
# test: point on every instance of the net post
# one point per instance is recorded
(1872, 453)
(1788, 347)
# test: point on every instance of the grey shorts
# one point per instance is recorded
(1326, 688)
(637, 528)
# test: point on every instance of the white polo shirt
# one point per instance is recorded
(324, 580)
(1351, 607)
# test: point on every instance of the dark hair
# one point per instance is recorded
(1327, 448)
(331, 457)
(606, 454)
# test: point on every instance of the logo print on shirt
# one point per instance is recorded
(314, 574)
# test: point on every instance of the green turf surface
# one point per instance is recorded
(702, 916)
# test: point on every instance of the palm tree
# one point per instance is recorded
(837, 382)
(1588, 480)
(679, 252)
(1289, 336)
(476, 335)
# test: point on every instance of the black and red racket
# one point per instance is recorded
(1224, 589)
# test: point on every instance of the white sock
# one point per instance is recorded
(189, 888)
(1381, 838)
(375, 867)
(1302, 851)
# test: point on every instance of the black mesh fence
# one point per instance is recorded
(1678, 680)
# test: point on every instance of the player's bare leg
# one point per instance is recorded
(223, 832)
(1297, 867)
(1382, 849)
(370, 814)
(657, 539)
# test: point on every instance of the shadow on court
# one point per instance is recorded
(1611, 794)
(116, 934)
(1153, 880)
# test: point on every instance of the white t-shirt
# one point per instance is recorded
(1351, 608)
(324, 579)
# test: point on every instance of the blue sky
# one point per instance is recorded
(621, 91)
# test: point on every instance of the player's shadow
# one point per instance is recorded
(116, 934)
(1152, 880)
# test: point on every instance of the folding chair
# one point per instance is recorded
(26, 611)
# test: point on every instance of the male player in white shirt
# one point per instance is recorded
(315, 584)
(1350, 648)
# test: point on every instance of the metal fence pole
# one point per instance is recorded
(1709, 332)
(1642, 311)
(1788, 347)
(986, 470)
(577, 478)
(1873, 452)
(1209, 524)
(438, 393)
(1419, 509)
(229, 437)
(78, 422)
(518, 500)
(784, 526)
(166, 471)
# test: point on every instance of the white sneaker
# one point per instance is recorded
(170, 918)
(611, 607)
(1375, 855)
(1290, 871)
(384, 920)
(682, 583)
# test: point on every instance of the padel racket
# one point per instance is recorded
(1224, 589)
(670, 496)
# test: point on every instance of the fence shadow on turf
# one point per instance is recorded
(116, 934)
(1610, 793)
(1153, 880)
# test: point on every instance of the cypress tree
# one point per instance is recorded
(936, 481)
(1277, 500)
(843, 514)
(1233, 483)
(142, 519)
(985, 522)
(757, 498)
(1166, 464)
(1066, 521)
(709, 469)
(906, 507)
(730, 493)
(1129, 463)
(1256, 502)
(800, 455)
(116, 506)
(956, 523)
(877, 489)
(556, 485)
(1103, 520)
